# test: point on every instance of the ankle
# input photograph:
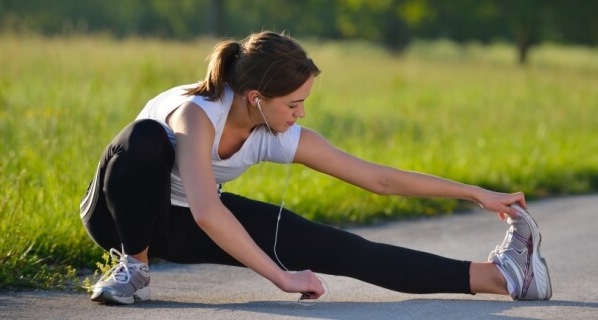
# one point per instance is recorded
(485, 277)
(141, 258)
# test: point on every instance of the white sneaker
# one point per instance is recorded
(125, 283)
(518, 257)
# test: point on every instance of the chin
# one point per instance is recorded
(280, 130)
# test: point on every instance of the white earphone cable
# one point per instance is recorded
(282, 203)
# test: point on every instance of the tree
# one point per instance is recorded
(524, 17)
(393, 23)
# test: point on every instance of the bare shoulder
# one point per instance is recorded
(316, 152)
(311, 143)
(189, 117)
(309, 136)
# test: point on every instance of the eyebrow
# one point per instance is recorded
(300, 100)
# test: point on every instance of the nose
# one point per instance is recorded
(299, 112)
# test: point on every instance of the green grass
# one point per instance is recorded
(468, 113)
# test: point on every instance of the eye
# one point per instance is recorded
(292, 106)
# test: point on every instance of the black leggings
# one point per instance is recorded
(128, 204)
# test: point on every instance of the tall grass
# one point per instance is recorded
(468, 113)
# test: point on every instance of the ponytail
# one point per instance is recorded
(220, 69)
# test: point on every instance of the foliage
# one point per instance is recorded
(393, 23)
(102, 268)
(465, 112)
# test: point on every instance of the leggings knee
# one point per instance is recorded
(148, 143)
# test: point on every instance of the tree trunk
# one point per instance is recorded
(523, 46)
(217, 18)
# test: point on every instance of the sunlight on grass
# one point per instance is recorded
(468, 113)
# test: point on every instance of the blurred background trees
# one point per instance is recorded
(391, 23)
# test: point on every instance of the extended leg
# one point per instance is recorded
(303, 244)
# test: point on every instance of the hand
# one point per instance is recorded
(304, 282)
(500, 202)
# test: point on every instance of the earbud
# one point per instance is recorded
(257, 102)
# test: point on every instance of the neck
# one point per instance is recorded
(241, 116)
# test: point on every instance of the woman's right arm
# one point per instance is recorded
(195, 137)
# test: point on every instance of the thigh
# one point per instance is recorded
(188, 243)
(295, 242)
(185, 242)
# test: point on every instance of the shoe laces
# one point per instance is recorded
(120, 272)
(504, 246)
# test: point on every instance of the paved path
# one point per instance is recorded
(570, 245)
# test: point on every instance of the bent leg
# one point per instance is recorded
(130, 194)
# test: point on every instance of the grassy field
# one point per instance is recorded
(468, 113)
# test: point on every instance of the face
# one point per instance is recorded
(283, 112)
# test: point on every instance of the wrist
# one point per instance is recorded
(280, 279)
(475, 194)
(276, 275)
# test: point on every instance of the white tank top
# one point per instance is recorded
(260, 146)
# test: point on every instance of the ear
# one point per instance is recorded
(253, 96)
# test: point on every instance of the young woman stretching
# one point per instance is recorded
(156, 192)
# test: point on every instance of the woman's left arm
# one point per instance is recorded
(317, 153)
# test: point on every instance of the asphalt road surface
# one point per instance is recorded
(570, 245)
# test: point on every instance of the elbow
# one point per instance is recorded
(381, 190)
(381, 187)
(201, 219)
(204, 216)
(390, 182)
(384, 185)
(377, 181)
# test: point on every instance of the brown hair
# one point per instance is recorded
(272, 63)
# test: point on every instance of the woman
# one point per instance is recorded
(156, 192)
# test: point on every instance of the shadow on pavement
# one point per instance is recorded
(407, 309)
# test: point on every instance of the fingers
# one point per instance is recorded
(309, 296)
(307, 283)
(318, 290)
(502, 204)
(519, 199)
(522, 202)
(508, 211)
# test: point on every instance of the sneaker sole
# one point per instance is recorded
(143, 294)
(539, 265)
